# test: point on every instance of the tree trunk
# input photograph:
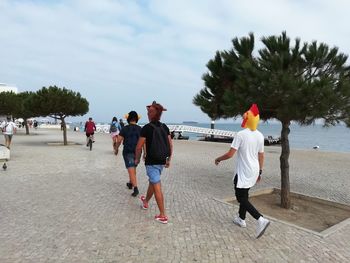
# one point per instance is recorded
(63, 125)
(26, 125)
(284, 165)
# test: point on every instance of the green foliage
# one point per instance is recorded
(59, 102)
(210, 98)
(9, 103)
(26, 108)
(51, 101)
(299, 82)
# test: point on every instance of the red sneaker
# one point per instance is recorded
(161, 219)
(144, 204)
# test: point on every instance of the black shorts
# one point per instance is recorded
(88, 134)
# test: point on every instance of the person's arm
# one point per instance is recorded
(261, 164)
(138, 149)
(110, 128)
(85, 127)
(167, 164)
(144, 152)
(226, 156)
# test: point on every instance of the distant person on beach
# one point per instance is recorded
(121, 123)
(90, 129)
(8, 128)
(158, 152)
(249, 145)
(129, 136)
(114, 130)
(35, 124)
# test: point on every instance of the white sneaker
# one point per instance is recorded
(261, 226)
(239, 222)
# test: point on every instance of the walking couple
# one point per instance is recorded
(155, 142)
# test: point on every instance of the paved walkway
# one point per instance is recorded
(67, 204)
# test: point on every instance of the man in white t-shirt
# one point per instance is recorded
(8, 128)
(249, 145)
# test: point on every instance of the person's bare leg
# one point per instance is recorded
(113, 143)
(150, 192)
(8, 141)
(157, 189)
(132, 176)
(133, 181)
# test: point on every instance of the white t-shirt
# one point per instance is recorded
(9, 126)
(248, 144)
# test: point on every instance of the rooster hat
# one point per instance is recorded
(251, 118)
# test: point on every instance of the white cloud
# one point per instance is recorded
(124, 54)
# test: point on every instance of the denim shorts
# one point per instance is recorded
(129, 160)
(154, 172)
(8, 137)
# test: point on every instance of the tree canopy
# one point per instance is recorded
(25, 108)
(9, 102)
(299, 82)
(59, 103)
(54, 101)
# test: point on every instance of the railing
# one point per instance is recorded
(200, 130)
(102, 128)
(181, 128)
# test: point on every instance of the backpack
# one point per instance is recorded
(160, 148)
(113, 127)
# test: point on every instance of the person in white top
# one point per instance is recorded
(8, 128)
(249, 145)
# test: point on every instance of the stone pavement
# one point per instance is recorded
(67, 204)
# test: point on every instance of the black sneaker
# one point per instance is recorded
(129, 185)
(136, 192)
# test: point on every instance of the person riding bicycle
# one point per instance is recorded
(90, 129)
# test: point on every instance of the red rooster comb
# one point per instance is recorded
(254, 109)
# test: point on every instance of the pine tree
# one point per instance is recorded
(58, 103)
(300, 83)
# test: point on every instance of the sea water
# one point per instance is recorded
(334, 138)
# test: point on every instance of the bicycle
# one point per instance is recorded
(90, 142)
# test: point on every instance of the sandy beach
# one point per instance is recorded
(67, 204)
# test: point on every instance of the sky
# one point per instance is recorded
(122, 55)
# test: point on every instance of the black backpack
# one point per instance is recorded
(160, 148)
(114, 127)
